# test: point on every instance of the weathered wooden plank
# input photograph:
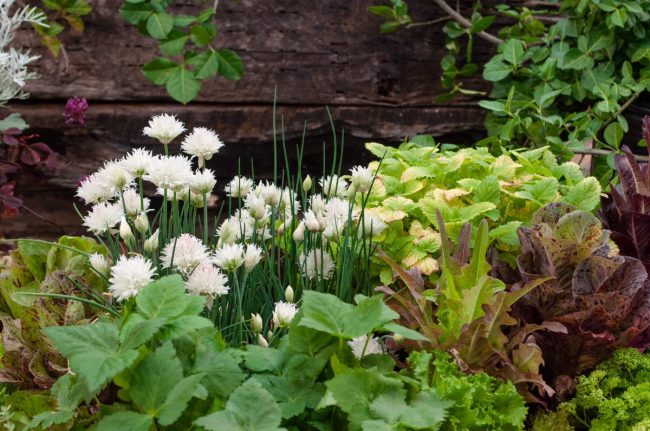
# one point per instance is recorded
(318, 53)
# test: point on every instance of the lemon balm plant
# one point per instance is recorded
(265, 251)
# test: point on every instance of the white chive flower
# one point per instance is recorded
(317, 263)
(115, 177)
(100, 263)
(283, 314)
(184, 253)
(362, 346)
(165, 128)
(239, 187)
(252, 257)
(138, 162)
(93, 190)
(229, 257)
(256, 206)
(317, 204)
(334, 186)
(362, 179)
(202, 143)
(129, 276)
(173, 173)
(207, 280)
(203, 182)
(103, 217)
(337, 214)
(130, 201)
(269, 192)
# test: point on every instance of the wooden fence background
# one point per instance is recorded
(316, 53)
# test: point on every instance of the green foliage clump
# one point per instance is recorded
(613, 397)
(418, 178)
(308, 379)
(181, 69)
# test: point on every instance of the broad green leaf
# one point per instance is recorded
(329, 314)
(618, 17)
(407, 333)
(93, 352)
(203, 34)
(427, 411)
(159, 24)
(230, 65)
(493, 105)
(293, 397)
(584, 195)
(577, 60)
(159, 70)
(512, 51)
(506, 233)
(125, 421)
(496, 70)
(614, 134)
(174, 43)
(355, 390)
(482, 24)
(182, 86)
(147, 389)
(166, 297)
(250, 407)
(221, 371)
(205, 64)
(135, 13)
(179, 397)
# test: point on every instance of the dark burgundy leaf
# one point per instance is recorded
(30, 157)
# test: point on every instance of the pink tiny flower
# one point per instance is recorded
(75, 111)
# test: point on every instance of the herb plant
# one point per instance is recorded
(310, 379)
(466, 185)
(612, 397)
(57, 13)
(186, 44)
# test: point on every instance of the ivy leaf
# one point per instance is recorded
(239, 414)
(183, 86)
(159, 24)
(125, 421)
(92, 351)
(230, 65)
(159, 70)
(584, 195)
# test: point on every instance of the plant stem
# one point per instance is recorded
(465, 22)
(600, 152)
(626, 105)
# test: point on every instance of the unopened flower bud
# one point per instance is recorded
(306, 185)
(299, 233)
(125, 231)
(141, 223)
(256, 322)
(398, 338)
(100, 263)
(269, 334)
(288, 294)
(262, 341)
(151, 244)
